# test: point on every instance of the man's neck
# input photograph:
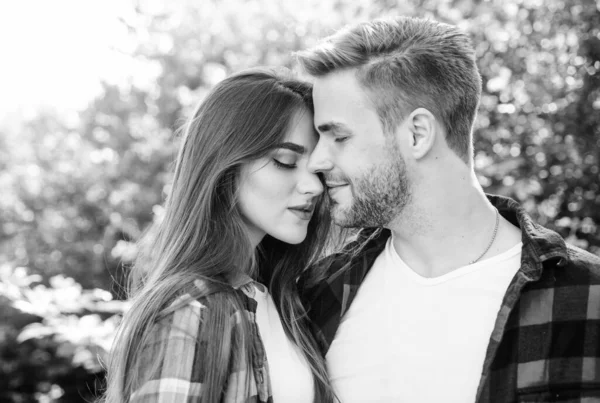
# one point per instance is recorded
(439, 233)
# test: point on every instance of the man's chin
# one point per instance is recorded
(341, 216)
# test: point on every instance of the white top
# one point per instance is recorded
(407, 338)
(290, 373)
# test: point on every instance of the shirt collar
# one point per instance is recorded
(539, 244)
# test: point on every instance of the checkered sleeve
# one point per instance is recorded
(170, 370)
(547, 343)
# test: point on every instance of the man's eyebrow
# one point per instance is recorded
(292, 146)
(333, 127)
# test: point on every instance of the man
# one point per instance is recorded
(447, 295)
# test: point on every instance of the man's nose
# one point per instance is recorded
(320, 160)
(310, 184)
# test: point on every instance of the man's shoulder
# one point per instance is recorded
(583, 259)
(567, 292)
(573, 269)
(563, 263)
(578, 269)
(582, 266)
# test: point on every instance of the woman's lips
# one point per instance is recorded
(301, 213)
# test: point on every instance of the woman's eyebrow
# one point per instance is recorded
(292, 146)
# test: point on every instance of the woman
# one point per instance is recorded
(215, 312)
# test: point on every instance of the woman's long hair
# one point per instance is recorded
(202, 235)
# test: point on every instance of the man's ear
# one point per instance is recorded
(423, 129)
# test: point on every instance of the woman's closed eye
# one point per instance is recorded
(285, 159)
(284, 164)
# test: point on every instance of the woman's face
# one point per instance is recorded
(277, 193)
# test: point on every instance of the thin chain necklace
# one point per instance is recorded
(492, 240)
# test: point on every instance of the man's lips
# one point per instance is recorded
(333, 185)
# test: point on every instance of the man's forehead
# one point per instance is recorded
(336, 79)
(338, 95)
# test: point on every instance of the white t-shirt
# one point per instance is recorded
(291, 378)
(407, 338)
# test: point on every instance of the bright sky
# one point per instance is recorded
(55, 52)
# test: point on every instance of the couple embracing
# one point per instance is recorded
(330, 242)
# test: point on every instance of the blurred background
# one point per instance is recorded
(91, 93)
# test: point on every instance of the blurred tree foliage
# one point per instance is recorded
(53, 339)
(76, 192)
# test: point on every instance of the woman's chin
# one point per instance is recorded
(293, 239)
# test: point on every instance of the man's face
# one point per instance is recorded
(363, 167)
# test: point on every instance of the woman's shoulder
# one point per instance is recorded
(193, 319)
(202, 298)
(181, 320)
(183, 341)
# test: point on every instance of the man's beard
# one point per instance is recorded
(379, 196)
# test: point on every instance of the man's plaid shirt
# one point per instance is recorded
(178, 347)
(545, 346)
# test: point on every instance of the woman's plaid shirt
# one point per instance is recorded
(545, 346)
(178, 343)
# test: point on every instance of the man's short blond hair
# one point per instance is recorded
(405, 63)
